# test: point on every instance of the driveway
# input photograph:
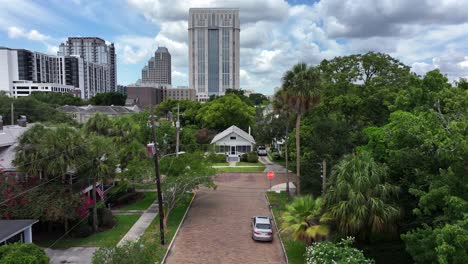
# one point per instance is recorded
(217, 228)
(75, 255)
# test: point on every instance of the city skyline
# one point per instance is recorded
(275, 34)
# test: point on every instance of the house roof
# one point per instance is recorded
(109, 110)
(9, 228)
(10, 134)
(236, 130)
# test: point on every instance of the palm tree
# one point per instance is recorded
(302, 85)
(301, 218)
(102, 165)
(358, 200)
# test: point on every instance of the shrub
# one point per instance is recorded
(130, 253)
(105, 218)
(252, 157)
(216, 158)
(243, 157)
(84, 230)
(128, 197)
(341, 252)
(19, 253)
(276, 156)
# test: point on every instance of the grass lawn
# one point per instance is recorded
(152, 233)
(242, 163)
(241, 169)
(294, 249)
(220, 164)
(108, 238)
(142, 204)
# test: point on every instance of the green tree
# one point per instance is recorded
(358, 200)
(258, 99)
(303, 85)
(138, 252)
(57, 99)
(110, 98)
(226, 111)
(302, 219)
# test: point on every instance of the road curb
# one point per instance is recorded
(277, 230)
(177, 231)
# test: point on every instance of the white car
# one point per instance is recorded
(262, 228)
(261, 151)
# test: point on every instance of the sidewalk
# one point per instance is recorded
(138, 229)
(270, 166)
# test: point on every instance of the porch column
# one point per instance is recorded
(27, 235)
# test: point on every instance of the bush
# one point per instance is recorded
(120, 189)
(84, 230)
(252, 157)
(19, 253)
(275, 156)
(130, 253)
(128, 198)
(216, 158)
(341, 252)
(105, 218)
(243, 157)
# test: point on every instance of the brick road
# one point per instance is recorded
(217, 228)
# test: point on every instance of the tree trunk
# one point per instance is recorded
(95, 225)
(298, 153)
(286, 155)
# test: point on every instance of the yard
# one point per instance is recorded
(108, 238)
(295, 250)
(241, 169)
(152, 233)
(142, 204)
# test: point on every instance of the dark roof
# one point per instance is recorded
(10, 227)
(69, 109)
(162, 50)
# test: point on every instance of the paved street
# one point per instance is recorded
(217, 228)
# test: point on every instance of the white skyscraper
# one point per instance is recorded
(214, 49)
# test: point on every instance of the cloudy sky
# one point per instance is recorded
(275, 34)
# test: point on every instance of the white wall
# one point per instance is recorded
(8, 69)
(229, 142)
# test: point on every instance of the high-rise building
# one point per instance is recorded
(23, 72)
(214, 49)
(158, 70)
(94, 50)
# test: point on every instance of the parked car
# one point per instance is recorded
(261, 151)
(262, 228)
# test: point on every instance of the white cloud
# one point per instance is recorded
(135, 49)
(16, 32)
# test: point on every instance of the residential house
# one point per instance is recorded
(12, 231)
(81, 114)
(233, 142)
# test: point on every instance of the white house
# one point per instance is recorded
(233, 142)
(12, 231)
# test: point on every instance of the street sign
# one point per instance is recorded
(271, 175)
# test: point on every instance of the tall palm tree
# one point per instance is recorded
(358, 199)
(102, 165)
(301, 218)
(302, 85)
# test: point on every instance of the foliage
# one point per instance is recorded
(137, 252)
(216, 158)
(252, 157)
(446, 244)
(34, 110)
(341, 252)
(188, 111)
(226, 111)
(258, 99)
(110, 98)
(57, 99)
(358, 199)
(21, 253)
(302, 219)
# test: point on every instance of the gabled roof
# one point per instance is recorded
(9, 228)
(236, 130)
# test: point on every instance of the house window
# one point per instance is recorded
(233, 138)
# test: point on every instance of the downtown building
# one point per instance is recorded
(23, 72)
(159, 68)
(93, 50)
(214, 49)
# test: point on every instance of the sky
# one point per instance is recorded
(275, 34)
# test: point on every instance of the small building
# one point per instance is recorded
(9, 136)
(145, 94)
(81, 114)
(12, 231)
(233, 142)
(181, 93)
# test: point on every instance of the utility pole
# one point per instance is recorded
(158, 179)
(12, 114)
(324, 175)
(286, 156)
(177, 131)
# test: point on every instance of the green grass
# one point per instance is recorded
(241, 169)
(152, 233)
(294, 249)
(242, 163)
(142, 204)
(220, 164)
(108, 238)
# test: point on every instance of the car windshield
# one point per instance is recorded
(261, 148)
(263, 226)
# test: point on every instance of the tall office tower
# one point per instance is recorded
(93, 50)
(214, 49)
(158, 70)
